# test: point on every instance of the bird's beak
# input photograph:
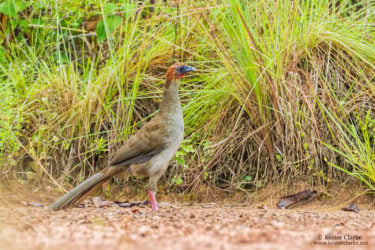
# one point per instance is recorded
(188, 69)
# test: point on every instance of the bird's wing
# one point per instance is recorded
(140, 147)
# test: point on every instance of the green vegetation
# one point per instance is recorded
(285, 89)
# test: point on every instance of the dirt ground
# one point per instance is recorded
(215, 225)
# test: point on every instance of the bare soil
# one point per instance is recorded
(186, 226)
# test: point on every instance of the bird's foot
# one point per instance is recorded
(154, 204)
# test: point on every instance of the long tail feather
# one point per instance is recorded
(82, 190)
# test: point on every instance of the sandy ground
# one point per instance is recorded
(183, 226)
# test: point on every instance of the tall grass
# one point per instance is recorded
(354, 142)
(279, 58)
(253, 113)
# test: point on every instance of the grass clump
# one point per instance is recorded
(272, 101)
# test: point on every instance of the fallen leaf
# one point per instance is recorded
(352, 207)
(99, 202)
(132, 204)
(290, 200)
(33, 204)
(264, 207)
(136, 211)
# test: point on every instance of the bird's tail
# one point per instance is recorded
(85, 188)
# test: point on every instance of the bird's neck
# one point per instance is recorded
(171, 101)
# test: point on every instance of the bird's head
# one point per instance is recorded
(177, 71)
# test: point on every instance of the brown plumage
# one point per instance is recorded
(147, 152)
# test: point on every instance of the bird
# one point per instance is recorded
(145, 153)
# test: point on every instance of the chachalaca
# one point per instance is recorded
(147, 152)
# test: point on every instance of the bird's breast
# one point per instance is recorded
(175, 129)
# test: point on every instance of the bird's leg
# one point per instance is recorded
(154, 204)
